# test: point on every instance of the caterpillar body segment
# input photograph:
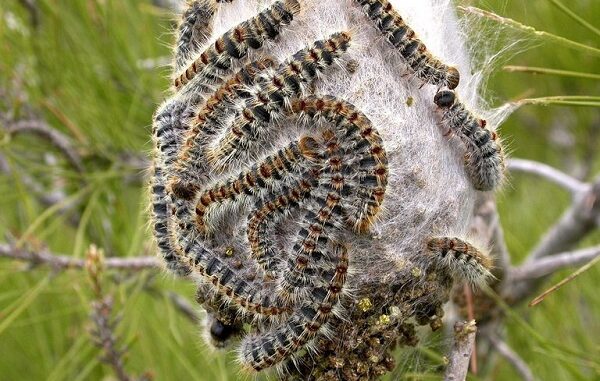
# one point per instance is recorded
(266, 349)
(363, 145)
(160, 224)
(234, 44)
(485, 163)
(190, 224)
(461, 259)
(169, 126)
(207, 122)
(194, 30)
(246, 295)
(262, 222)
(275, 170)
(323, 208)
(484, 158)
(188, 232)
(422, 63)
(167, 129)
(274, 95)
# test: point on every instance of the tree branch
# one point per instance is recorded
(579, 220)
(546, 266)
(549, 173)
(513, 358)
(464, 344)
(486, 226)
(183, 306)
(58, 139)
(62, 262)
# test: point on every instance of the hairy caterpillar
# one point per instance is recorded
(270, 188)
(234, 44)
(484, 159)
(461, 259)
(424, 65)
(267, 104)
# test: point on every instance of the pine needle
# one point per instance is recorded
(544, 70)
(542, 35)
(580, 271)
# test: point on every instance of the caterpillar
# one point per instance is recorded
(264, 350)
(463, 260)
(234, 44)
(269, 102)
(423, 64)
(484, 159)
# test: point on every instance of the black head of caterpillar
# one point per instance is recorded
(220, 333)
(220, 329)
(444, 98)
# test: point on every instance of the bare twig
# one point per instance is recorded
(546, 266)
(464, 341)
(486, 226)
(62, 262)
(184, 307)
(180, 303)
(471, 316)
(549, 173)
(58, 139)
(512, 357)
(579, 220)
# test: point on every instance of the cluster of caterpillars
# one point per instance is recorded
(326, 184)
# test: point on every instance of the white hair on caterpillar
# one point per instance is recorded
(428, 190)
(375, 73)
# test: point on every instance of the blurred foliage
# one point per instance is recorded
(76, 64)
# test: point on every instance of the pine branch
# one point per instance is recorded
(577, 222)
(105, 338)
(63, 262)
(103, 333)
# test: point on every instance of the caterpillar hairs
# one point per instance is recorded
(295, 184)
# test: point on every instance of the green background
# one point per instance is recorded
(78, 70)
